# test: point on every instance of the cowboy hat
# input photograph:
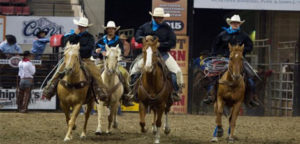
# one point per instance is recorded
(159, 12)
(83, 21)
(111, 24)
(26, 53)
(234, 18)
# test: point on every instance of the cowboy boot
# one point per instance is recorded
(133, 85)
(27, 96)
(177, 90)
(127, 96)
(20, 99)
(49, 89)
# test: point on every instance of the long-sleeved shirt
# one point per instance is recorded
(220, 46)
(26, 69)
(10, 49)
(39, 45)
(110, 43)
(164, 32)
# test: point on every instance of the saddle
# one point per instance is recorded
(89, 81)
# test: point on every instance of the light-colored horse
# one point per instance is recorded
(114, 87)
(72, 90)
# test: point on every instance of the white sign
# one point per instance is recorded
(283, 5)
(8, 97)
(25, 28)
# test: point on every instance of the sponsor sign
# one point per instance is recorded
(181, 53)
(9, 97)
(283, 5)
(25, 28)
(2, 28)
(181, 106)
(14, 61)
(178, 11)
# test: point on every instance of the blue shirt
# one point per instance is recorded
(6, 48)
(39, 45)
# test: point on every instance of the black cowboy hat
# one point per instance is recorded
(11, 39)
(26, 53)
(41, 31)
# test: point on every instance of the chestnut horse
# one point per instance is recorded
(154, 88)
(72, 90)
(231, 91)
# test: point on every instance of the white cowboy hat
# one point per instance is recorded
(234, 18)
(83, 21)
(159, 12)
(111, 24)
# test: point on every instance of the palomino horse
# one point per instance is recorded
(231, 91)
(72, 90)
(154, 88)
(114, 86)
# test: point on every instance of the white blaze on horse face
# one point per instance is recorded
(236, 55)
(149, 58)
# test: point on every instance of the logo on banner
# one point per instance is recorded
(175, 25)
(32, 27)
(14, 61)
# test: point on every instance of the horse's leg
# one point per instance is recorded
(142, 111)
(167, 127)
(233, 118)
(158, 125)
(87, 115)
(154, 128)
(71, 122)
(115, 123)
(100, 110)
(218, 108)
(113, 110)
(66, 110)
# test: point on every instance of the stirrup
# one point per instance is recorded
(175, 97)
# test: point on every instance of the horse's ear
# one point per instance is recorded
(157, 44)
(144, 40)
(107, 47)
(242, 47)
(119, 51)
(230, 47)
(118, 46)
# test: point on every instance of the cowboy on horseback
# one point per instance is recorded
(167, 40)
(86, 41)
(234, 36)
(113, 40)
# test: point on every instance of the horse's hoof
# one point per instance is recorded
(98, 132)
(144, 130)
(67, 139)
(230, 140)
(220, 132)
(115, 125)
(167, 130)
(156, 141)
(214, 139)
(83, 136)
(154, 132)
(108, 132)
(74, 127)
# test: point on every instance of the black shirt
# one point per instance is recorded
(165, 34)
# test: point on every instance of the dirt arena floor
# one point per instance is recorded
(50, 128)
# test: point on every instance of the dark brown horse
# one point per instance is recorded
(154, 88)
(231, 91)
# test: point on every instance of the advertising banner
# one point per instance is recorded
(26, 27)
(8, 100)
(283, 5)
(181, 106)
(181, 53)
(2, 27)
(178, 11)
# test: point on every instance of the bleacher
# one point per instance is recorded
(14, 7)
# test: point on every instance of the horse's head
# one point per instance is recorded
(150, 48)
(235, 66)
(71, 54)
(113, 55)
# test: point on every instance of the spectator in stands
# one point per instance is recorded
(26, 72)
(126, 45)
(10, 46)
(39, 44)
